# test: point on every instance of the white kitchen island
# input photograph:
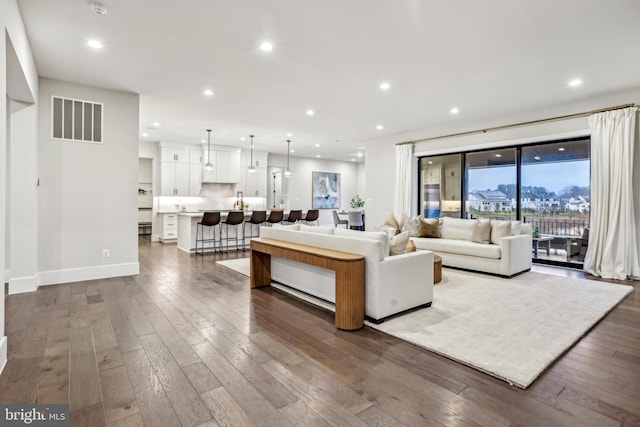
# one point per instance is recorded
(187, 227)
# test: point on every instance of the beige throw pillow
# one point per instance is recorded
(411, 247)
(410, 224)
(481, 232)
(392, 222)
(398, 243)
(500, 229)
(429, 227)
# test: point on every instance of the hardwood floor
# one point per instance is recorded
(188, 343)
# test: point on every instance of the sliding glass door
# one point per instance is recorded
(545, 185)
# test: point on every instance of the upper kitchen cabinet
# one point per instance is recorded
(226, 164)
(178, 175)
(253, 185)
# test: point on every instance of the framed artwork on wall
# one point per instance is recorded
(325, 190)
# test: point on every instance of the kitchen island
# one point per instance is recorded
(187, 227)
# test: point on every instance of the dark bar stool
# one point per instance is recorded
(257, 218)
(275, 217)
(312, 216)
(234, 218)
(295, 215)
(209, 219)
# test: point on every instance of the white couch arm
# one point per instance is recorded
(516, 254)
(404, 282)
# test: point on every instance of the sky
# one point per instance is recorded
(552, 176)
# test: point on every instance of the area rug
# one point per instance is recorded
(509, 328)
(240, 265)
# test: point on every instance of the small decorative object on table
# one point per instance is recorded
(357, 202)
(536, 232)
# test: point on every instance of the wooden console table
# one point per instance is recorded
(349, 270)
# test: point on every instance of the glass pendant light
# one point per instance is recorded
(287, 171)
(251, 169)
(208, 166)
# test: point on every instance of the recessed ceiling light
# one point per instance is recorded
(561, 149)
(317, 145)
(454, 110)
(266, 47)
(430, 162)
(203, 141)
(498, 155)
(145, 134)
(379, 127)
(242, 139)
(536, 157)
(317, 155)
(359, 154)
(292, 150)
(289, 134)
(310, 112)
(385, 86)
(208, 92)
(95, 44)
(156, 124)
(575, 82)
(353, 160)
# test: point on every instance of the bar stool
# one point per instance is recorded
(311, 216)
(275, 217)
(209, 219)
(295, 215)
(257, 218)
(234, 218)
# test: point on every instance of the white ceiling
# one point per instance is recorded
(488, 58)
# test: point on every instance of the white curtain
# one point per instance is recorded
(402, 195)
(614, 235)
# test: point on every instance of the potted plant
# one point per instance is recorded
(356, 202)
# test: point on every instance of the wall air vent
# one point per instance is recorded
(76, 120)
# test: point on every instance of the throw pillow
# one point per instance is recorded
(392, 222)
(411, 247)
(516, 228)
(429, 227)
(481, 232)
(457, 228)
(411, 225)
(500, 229)
(398, 243)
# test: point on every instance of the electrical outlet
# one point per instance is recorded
(106, 253)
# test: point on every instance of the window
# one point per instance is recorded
(76, 120)
(491, 184)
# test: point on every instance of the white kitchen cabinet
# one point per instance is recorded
(174, 179)
(180, 170)
(169, 226)
(226, 165)
(174, 154)
(253, 185)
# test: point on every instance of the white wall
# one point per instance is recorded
(88, 192)
(18, 67)
(299, 185)
(380, 164)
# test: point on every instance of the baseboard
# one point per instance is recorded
(3, 353)
(88, 273)
(155, 237)
(21, 285)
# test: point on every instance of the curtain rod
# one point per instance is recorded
(531, 122)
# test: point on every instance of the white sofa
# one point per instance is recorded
(506, 257)
(393, 284)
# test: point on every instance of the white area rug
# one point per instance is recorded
(509, 328)
(240, 265)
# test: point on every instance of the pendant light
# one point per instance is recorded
(251, 169)
(287, 171)
(208, 166)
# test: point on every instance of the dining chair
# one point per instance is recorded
(337, 221)
(355, 220)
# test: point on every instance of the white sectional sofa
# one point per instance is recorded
(393, 284)
(504, 256)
